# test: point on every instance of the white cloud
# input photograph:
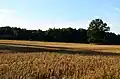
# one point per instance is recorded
(9, 18)
(15, 21)
(1, 17)
(5, 15)
(6, 11)
(117, 9)
(45, 24)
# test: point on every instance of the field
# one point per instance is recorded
(48, 60)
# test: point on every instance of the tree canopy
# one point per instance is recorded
(97, 32)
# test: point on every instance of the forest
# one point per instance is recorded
(97, 32)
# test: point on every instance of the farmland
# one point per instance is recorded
(54, 60)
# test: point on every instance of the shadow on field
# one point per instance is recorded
(23, 48)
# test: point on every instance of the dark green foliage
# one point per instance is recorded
(96, 33)
(53, 35)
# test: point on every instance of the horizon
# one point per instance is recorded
(45, 14)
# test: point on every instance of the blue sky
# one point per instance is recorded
(44, 14)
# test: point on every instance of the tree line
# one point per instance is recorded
(97, 32)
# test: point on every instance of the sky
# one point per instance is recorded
(45, 14)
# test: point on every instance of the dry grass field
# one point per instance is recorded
(48, 60)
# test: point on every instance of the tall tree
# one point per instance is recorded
(96, 31)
